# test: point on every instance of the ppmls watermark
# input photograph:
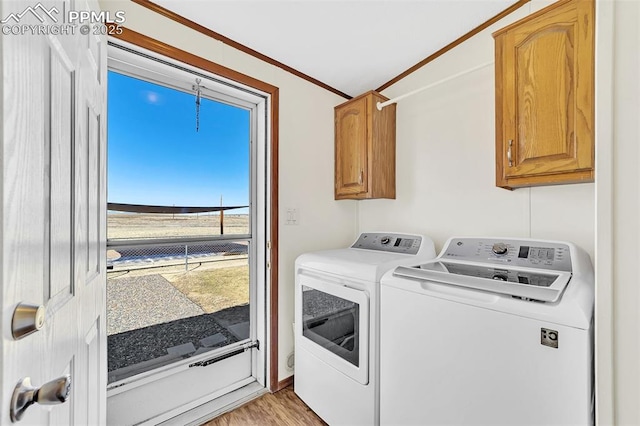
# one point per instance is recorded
(39, 20)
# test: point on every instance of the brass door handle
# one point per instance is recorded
(51, 393)
(509, 153)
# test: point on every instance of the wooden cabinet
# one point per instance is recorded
(545, 97)
(365, 149)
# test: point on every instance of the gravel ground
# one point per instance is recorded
(149, 319)
(136, 346)
(137, 302)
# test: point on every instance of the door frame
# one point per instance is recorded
(156, 46)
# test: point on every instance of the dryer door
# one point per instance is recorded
(335, 324)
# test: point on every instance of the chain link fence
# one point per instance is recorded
(148, 256)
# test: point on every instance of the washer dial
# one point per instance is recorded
(500, 248)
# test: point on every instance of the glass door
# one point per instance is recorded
(186, 237)
(335, 325)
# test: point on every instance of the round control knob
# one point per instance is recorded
(500, 277)
(385, 240)
(500, 248)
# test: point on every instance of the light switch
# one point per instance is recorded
(291, 217)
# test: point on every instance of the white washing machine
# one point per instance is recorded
(337, 323)
(491, 332)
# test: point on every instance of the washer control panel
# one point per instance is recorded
(394, 243)
(508, 252)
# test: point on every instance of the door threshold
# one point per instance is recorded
(223, 404)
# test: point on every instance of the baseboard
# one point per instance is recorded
(283, 384)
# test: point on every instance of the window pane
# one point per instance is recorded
(171, 301)
(331, 322)
(157, 158)
(167, 303)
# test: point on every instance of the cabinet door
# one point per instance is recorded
(547, 98)
(351, 149)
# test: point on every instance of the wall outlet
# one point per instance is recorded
(291, 360)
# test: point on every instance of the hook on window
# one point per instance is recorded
(198, 89)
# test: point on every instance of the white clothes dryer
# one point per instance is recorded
(493, 331)
(337, 323)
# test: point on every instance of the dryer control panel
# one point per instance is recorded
(510, 252)
(394, 243)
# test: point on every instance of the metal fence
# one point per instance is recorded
(149, 255)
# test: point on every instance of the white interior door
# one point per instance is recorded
(52, 209)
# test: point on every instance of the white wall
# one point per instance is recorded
(446, 162)
(626, 213)
(306, 154)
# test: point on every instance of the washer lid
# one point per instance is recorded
(373, 254)
(535, 284)
(366, 265)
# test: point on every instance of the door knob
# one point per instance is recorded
(27, 319)
(51, 393)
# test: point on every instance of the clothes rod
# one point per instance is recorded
(381, 105)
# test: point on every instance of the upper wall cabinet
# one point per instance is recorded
(545, 97)
(365, 149)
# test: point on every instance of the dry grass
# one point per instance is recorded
(167, 225)
(214, 289)
(212, 286)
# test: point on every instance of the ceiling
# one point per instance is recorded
(353, 46)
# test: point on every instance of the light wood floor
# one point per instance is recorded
(282, 408)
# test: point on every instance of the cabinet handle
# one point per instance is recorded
(509, 153)
(361, 177)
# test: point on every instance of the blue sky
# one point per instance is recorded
(156, 157)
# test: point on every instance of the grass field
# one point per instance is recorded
(135, 226)
(214, 289)
(213, 286)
